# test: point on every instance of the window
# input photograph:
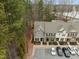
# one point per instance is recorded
(36, 39)
(68, 34)
(71, 34)
(52, 34)
(75, 34)
(46, 34)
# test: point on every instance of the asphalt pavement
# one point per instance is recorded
(44, 53)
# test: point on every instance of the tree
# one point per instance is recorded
(49, 11)
(12, 27)
(3, 31)
(40, 10)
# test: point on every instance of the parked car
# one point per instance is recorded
(53, 51)
(71, 50)
(76, 50)
(66, 52)
(59, 51)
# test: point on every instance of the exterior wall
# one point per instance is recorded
(61, 35)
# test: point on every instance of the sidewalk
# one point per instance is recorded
(49, 46)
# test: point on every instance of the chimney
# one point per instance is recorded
(74, 9)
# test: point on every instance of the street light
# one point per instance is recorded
(9, 18)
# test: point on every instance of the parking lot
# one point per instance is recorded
(44, 53)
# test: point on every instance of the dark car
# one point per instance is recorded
(59, 51)
(66, 52)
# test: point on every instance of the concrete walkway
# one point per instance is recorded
(48, 46)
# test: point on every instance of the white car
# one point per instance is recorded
(71, 50)
(53, 51)
(76, 50)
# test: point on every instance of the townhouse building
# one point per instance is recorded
(56, 31)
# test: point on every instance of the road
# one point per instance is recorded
(44, 53)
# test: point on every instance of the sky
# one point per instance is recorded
(72, 1)
(76, 1)
(57, 1)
